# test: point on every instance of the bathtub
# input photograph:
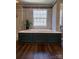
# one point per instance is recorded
(39, 36)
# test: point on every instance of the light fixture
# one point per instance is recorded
(17, 1)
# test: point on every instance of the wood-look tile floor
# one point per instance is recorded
(39, 51)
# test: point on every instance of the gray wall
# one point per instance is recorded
(19, 18)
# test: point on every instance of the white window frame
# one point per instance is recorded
(40, 16)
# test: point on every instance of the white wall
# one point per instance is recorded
(61, 14)
(54, 18)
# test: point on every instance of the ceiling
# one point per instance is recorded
(34, 3)
(38, 1)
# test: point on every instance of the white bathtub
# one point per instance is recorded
(37, 31)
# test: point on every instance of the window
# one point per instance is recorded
(39, 17)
